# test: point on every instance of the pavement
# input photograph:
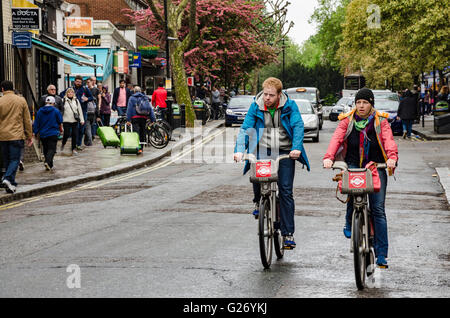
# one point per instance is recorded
(427, 132)
(94, 163)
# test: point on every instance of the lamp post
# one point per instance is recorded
(166, 29)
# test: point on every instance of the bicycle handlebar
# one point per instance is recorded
(252, 158)
(341, 165)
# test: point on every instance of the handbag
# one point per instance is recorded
(372, 166)
(75, 115)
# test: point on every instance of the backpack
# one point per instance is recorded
(91, 107)
(143, 106)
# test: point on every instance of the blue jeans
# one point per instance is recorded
(11, 151)
(407, 126)
(286, 172)
(121, 111)
(377, 208)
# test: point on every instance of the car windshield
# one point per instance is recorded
(304, 106)
(344, 101)
(311, 96)
(241, 102)
(386, 104)
(386, 95)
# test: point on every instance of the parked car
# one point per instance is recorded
(310, 119)
(388, 102)
(237, 109)
(311, 94)
(344, 105)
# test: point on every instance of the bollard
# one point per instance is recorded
(182, 115)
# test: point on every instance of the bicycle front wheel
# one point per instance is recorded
(358, 249)
(265, 233)
(277, 238)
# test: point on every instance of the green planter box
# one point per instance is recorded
(149, 54)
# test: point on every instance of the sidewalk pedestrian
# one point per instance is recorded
(83, 94)
(15, 127)
(47, 127)
(72, 118)
(121, 96)
(51, 91)
(105, 106)
(426, 101)
(216, 101)
(159, 98)
(407, 112)
(139, 110)
(92, 114)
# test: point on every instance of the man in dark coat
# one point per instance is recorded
(407, 112)
(59, 104)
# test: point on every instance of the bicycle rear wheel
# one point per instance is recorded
(265, 233)
(359, 257)
(157, 136)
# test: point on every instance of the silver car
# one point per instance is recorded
(310, 119)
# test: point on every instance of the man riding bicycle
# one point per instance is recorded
(273, 126)
(364, 135)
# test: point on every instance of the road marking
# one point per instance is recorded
(96, 184)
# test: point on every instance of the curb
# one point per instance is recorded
(444, 179)
(69, 182)
(428, 137)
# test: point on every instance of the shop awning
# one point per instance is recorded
(103, 57)
(64, 54)
(64, 46)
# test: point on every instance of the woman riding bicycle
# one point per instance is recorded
(364, 135)
(273, 126)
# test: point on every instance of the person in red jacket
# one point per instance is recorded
(364, 135)
(159, 98)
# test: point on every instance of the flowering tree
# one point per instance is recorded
(213, 38)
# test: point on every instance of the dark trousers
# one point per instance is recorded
(139, 127)
(286, 172)
(70, 130)
(11, 151)
(49, 147)
(106, 118)
(81, 130)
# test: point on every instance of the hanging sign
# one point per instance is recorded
(22, 40)
(26, 18)
(120, 62)
(135, 60)
(79, 26)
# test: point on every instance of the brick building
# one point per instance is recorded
(115, 11)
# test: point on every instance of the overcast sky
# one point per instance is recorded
(299, 11)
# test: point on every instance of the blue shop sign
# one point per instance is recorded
(22, 40)
(135, 60)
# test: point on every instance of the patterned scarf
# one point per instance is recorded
(364, 125)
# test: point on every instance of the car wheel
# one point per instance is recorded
(316, 139)
(228, 124)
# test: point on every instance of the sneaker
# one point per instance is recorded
(62, 148)
(21, 166)
(47, 167)
(404, 135)
(382, 262)
(8, 186)
(347, 231)
(79, 148)
(74, 153)
(256, 211)
(288, 242)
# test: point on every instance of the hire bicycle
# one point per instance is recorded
(265, 172)
(358, 184)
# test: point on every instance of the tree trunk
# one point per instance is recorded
(180, 82)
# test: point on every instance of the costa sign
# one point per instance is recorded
(93, 40)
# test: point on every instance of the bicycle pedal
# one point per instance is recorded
(288, 247)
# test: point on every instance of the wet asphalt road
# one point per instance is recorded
(183, 229)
